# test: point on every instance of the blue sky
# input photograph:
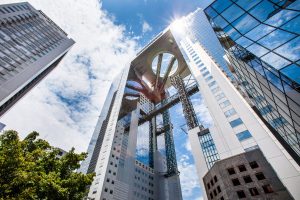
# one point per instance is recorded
(65, 106)
(158, 14)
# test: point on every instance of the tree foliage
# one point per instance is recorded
(32, 169)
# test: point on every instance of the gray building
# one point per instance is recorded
(31, 45)
(261, 41)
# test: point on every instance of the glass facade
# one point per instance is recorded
(209, 149)
(261, 40)
(199, 29)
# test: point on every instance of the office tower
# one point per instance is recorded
(261, 41)
(175, 65)
(31, 45)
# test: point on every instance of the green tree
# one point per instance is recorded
(32, 169)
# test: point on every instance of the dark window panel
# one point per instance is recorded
(241, 194)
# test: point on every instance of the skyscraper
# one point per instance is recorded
(236, 157)
(31, 45)
(261, 41)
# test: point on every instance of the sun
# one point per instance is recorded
(178, 26)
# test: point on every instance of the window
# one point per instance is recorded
(265, 110)
(94, 192)
(208, 185)
(212, 83)
(211, 195)
(230, 112)
(105, 190)
(253, 191)
(241, 194)
(111, 192)
(231, 171)
(220, 96)
(267, 189)
(235, 182)
(245, 23)
(215, 90)
(208, 78)
(243, 135)
(232, 13)
(215, 192)
(278, 122)
(219, 189)
(205, 73)
(236, 122)
(260, 176)
(247, 179)
(253, 164)
(275, 39)
(224, 104)
(215, 179)
(242, 168)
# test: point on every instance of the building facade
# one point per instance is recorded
(31, 45)
(179, 60)
(261, 41)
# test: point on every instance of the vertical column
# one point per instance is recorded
(152, 141)
(169, 144)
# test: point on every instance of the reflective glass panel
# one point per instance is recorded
(236, 122)
(263, 10)
(265, 110)
(281, 17)
(275, 61)
(275, 39)
(220, 21)
(244, 42)
(257, 50)
(295, 5)
(293, 72)
(232, 32)
(243, 135)
(245, 23)
(293, 25)
(259, 32)
(230, 112)
(290, 50)
(247, 4)
(211, 12)
(219, 6)
(232, 13)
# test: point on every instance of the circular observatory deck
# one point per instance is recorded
(150, 71)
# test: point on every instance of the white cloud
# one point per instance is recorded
(83, 77)
(146, 27)
(188, 176)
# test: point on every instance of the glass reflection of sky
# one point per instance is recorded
(164, 64)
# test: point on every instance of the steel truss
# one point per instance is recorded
(188, 110)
